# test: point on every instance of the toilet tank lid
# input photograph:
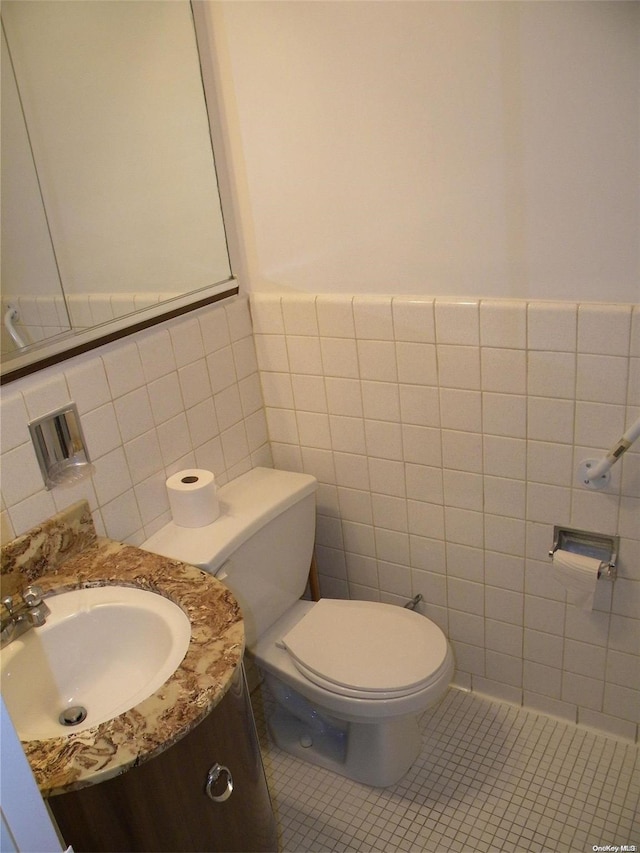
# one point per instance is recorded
(247, 504)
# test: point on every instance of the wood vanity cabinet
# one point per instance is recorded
(163, 805)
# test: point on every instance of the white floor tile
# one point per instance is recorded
(490, 777)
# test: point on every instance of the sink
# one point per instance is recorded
(102, 651)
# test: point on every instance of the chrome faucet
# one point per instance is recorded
(30, 612)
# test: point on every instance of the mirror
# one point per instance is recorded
(111, 215)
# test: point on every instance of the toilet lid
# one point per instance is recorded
(365, 648)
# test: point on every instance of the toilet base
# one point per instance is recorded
(374, 753)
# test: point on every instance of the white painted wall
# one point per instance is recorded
(463, 148)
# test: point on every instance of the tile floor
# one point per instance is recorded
(491, 777)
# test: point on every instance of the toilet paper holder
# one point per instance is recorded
(598, 545)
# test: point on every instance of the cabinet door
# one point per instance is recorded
(164, 805)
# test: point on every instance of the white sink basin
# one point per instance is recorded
(103, 649)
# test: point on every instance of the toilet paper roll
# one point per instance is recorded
(192, 498)
(578, 574)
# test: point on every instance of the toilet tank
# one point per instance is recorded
(260, 546)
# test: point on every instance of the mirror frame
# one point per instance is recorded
(46, 353)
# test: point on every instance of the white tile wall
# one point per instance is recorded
(182, 394)
(446, 434)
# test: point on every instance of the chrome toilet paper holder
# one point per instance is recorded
(601, 546)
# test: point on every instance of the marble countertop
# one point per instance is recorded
(64, 553)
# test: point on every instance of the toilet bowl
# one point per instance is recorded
(348, 678)
(340, 704)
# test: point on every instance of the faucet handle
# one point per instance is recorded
(38, 609)
(7, 622)
(32, 596)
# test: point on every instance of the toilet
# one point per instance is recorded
(349, 678)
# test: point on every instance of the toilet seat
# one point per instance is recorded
(367, 650)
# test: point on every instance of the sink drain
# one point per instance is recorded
(73, 716)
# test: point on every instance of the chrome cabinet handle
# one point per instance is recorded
(214, 774)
